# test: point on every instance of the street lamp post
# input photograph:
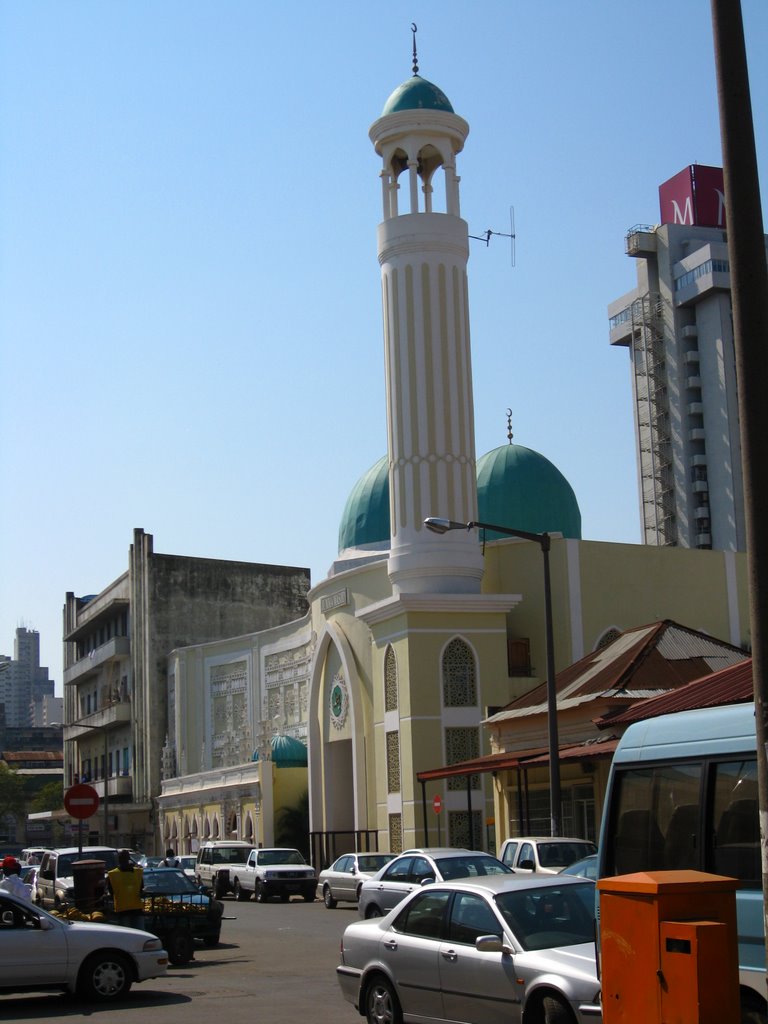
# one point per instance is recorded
(438, 525)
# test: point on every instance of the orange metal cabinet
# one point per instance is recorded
(668, 948)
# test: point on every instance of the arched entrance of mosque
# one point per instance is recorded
(338, 810)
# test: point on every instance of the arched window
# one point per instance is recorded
(459, 683)
(390, 681)
(607, 638)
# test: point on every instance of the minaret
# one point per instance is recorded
(423, 250)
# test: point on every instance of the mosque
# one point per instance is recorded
(414, 639)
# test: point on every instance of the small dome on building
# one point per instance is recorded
(287, 752)
(365, 520)
(523, 490)
(417, 94)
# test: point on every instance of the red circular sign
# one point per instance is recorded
(437, 804)
(81, 801)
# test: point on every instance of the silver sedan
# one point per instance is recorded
(493, 950)
(343, 879)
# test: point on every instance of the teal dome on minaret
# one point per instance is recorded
(417, 94)
(523, 490)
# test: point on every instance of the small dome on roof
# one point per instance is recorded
(417, 94)
(287, 752)
(521, 489)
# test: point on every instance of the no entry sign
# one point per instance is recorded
(437, 804)
(81, 801)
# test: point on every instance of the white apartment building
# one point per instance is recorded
(678, 328)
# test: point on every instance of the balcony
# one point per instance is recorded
(697, 434)
(695, 409)
(700, 486)
(693, 382)
(108, 717)
(118, 785)
(692, 356)
(117, 647)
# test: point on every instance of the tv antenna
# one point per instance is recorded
(487, 235)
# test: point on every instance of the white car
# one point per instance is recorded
(97, 961)
(546, 855)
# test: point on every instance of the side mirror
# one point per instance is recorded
(7, 919)
(46, 925)
(429, 880)
(492, 944)
(527, 865)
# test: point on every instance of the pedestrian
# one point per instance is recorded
(126, 883)
(12, 882)
(170, 860)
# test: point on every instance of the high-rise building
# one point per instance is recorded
(23, 682)
(678, 328)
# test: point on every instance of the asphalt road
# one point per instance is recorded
(276, 963)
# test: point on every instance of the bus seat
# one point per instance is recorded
(680, 842)
(639, 843)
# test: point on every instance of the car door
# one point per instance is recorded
(477, 987)
(342, 882)
(526, 858)
(410, 949)
(46, 878)
(30, 954)
(395, 884)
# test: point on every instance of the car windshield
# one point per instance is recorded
(169, 881)
(372, 861)
(560, 855)
(470, 866)
(188, 862)
(548, 916)
(268, 857)
(230, 855)
(66, 860)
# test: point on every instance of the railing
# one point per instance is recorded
(325, 847)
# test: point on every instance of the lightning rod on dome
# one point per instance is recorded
(509, 425)
(414, 30)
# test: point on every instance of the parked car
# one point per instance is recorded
(414, 868)
(145, 861)
(214, 860)
(188, 862)
(274, 871)
(202, 914)
(585, 868)
(342, 880)
(544, 854)
(502, 947)
(54, 884)
(98, 961)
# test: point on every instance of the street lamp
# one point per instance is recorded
(438, 525)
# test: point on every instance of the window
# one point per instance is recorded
(390, 681)
(462, 743)
(459, 684)
(736, 821)
(424, 915)
(471, 917)
(393, 762)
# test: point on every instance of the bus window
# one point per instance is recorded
(654, 815)
(736, 822)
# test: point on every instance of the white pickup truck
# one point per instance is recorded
(275, 871)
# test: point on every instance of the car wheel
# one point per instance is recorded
(212, 940)
(219, 887)
(752, 1009)
(328, 899)
(381, 1003)
(555, 1011)
(372, 911)
(180, 948)
(261, 892)
(104, 976)
(240, 893)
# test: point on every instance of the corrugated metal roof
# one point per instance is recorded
(731, 685)
(641, 663)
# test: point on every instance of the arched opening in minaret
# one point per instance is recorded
(419, 190)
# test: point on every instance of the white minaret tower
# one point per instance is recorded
(423, 252)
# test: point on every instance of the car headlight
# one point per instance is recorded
(152, 944)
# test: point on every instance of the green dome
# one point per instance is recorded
(287, 752)
(518, 488)
(417, 94)
(366, 515)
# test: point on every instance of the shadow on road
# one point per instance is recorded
(40, 1007)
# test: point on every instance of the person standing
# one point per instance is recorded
(12, 882)
(170, 860)
(126, 883)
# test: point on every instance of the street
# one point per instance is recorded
(277, 961)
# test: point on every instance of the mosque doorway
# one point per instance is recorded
(339, 834)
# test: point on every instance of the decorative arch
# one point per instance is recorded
(333, 635)
(207, 828)
(391, 682)
(607, 637)
(248, 830)
(458, 674)
(216, 830)
(232, 829)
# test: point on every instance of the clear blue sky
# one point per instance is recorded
(190, 312)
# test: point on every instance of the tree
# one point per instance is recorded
(292, 825)
(11, 792)
(50, 798)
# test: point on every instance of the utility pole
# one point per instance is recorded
(749, 295)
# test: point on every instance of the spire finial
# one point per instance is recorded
(414, 30)
(509, 425)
